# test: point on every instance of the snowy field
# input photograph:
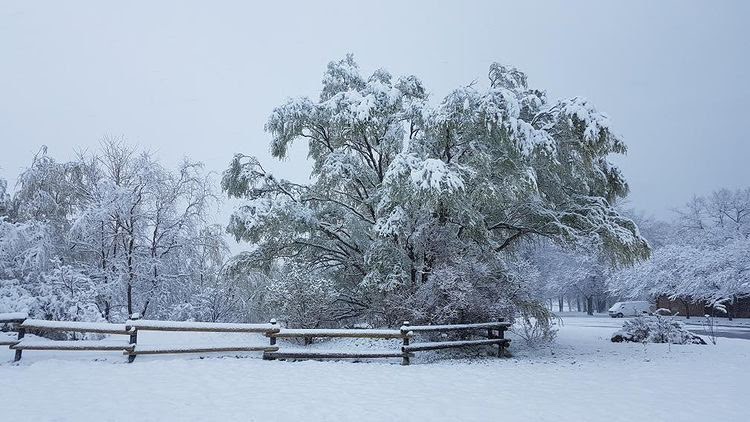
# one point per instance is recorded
(583, 377)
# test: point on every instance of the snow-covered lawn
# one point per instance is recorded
(583, 377)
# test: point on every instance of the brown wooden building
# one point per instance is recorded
(688, 307)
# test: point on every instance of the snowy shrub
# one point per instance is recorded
(185, 311)
(15, 298)
(66, 294)
(656, 329)
(302, 299)
(709, 321)
(215, 303)
(535, 324)
(448, 296)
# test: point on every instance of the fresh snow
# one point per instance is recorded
(77, 326)
(452, 327)
(12, 316)
(7, 338)
(37, 343)
(449, 344)
(144, 324)
(305, 332)
(191, 348)
(583, 376)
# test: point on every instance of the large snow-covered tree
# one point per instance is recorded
(415, 209)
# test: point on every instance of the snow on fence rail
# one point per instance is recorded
(340, 333)
(74, 326)
(131, 348)
(12, 317)
(6, 340)
(495, 336)
(87, 345)
(130, 328)
(308, 334)
(417, 347)
(213, 327)
(458, 327)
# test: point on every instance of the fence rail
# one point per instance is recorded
(272, 330)
(211, 327)
(339, 333)
(457, 327)
(418, 347)
(74, 326)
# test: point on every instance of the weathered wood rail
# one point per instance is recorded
(495, 336)
(309, 334)
(272, 330)
(136, 325)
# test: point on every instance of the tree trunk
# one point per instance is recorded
(560, 303)
(590, 305)
(687, 308)
(578, 303)
(601, 304)
(130, 299)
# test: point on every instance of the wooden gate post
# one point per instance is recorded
(133, 337)
(500, 334)
(21, 334)
(405, 354)
(272, 340)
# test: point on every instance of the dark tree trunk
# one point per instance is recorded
(578, 303)
(560, 303)
(687, 308)
(601, 304)
(590, 305)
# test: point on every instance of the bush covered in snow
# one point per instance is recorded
(301, 299)
(656, 329)
(536, 325)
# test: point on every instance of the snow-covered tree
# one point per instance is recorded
(4, 198)
(114, 231)
(704, 258)
(416, 209)
(579, 273)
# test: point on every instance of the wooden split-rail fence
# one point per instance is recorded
(490, 333)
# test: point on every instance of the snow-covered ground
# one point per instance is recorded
(583, 376)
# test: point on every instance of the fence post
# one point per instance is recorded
(272, 340)
(21, 334)
(405, 354)
(133, 336)
(500, 334)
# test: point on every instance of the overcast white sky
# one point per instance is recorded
(199, 79)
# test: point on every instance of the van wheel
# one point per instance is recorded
(619, 315)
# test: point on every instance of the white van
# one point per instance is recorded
(630, 309)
